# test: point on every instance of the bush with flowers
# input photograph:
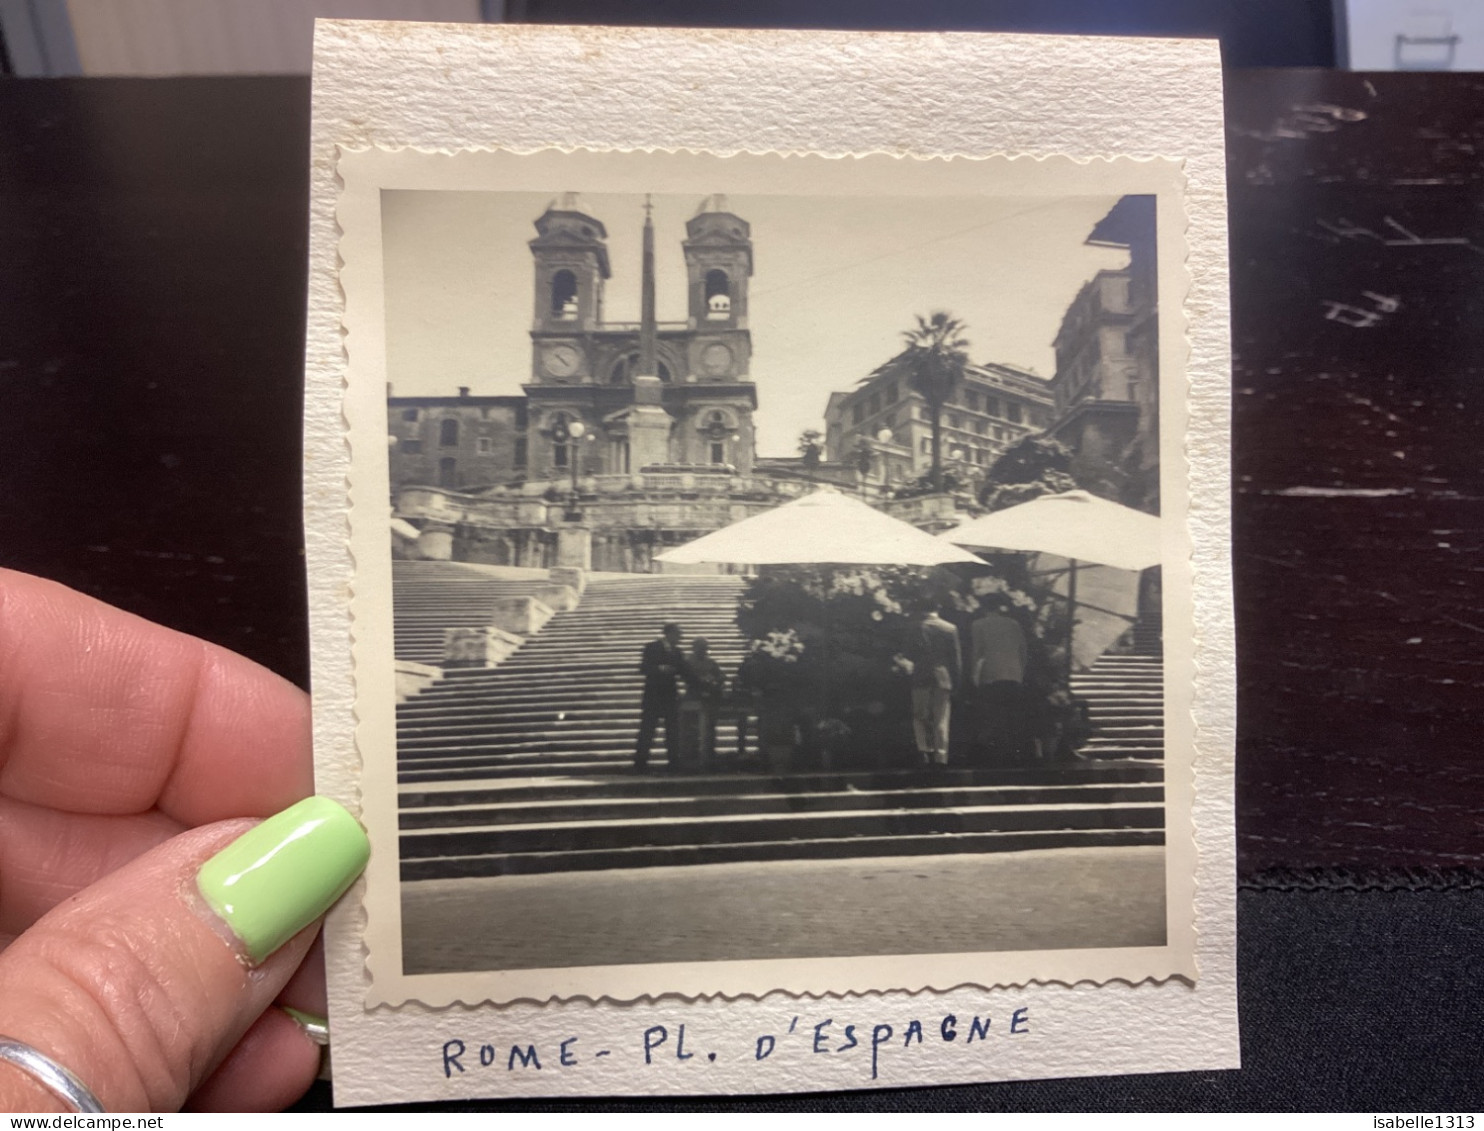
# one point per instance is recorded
(827, 641)
(825, 645)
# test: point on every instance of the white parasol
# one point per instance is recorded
(1073, 525)
(825, 528)
(1087, 534)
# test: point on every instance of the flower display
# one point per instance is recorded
(829, 660)
(998, 586)
(784, 646)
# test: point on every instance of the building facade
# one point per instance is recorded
(1107, 365)
(885, 426)
(465, 443)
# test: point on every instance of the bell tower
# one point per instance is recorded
(571, 266)
(718, 264)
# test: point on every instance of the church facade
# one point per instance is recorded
(630, 437)
(634, 437)
(650, 393)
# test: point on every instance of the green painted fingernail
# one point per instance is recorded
(274, 880)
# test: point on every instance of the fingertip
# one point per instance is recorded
(271, 1067)
(306, 989)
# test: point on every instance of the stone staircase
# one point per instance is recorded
(1125, 701)
(428, 597)
(525, 768)
(568, 700)
(561, 824)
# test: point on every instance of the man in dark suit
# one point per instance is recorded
(662, 665)
(936, 675)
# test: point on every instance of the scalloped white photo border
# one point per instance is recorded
(427, 106)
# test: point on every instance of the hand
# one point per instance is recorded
(130, 757)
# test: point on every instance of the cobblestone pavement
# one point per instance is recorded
(1060, 898)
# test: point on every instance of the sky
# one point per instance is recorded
(836, 281)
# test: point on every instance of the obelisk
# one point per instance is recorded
(649, 423)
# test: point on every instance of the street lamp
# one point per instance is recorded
(574, 433)
(576, 430)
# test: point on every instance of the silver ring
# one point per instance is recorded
(50, 1075)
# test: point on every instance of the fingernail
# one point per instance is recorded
(274, 880)
(315, 1027)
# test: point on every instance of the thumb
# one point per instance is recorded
(143, 982)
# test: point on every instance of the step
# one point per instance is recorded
(520, 771)
(687, 831)
(450, 867)
(690, 785)
(739, 804)
(624, 783)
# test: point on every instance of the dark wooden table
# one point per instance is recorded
(152, 276)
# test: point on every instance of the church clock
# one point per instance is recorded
(561, 361)
(716, 360)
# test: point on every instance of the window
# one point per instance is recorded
(564, 295)
(927, 446)
(718, 294)
(718, 452)
(448, 472)
(411, 447)
(992, 405)
(520, 453)
(955, 421)
(857, 412)
(891, 393)
(1012, 413)
(484, 445)
(980, 428)
(626, 367)
(409, 414)
(448, 434)
(521, 417)
(559, 455)
(873, 405)
(971, 401)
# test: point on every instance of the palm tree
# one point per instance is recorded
(933, 363)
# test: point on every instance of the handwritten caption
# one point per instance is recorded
(662, 1046)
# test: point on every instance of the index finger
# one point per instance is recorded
(105, 712)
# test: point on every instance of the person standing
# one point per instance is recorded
(705, 684)
(662, 664)
(936, 674)
(997, 674)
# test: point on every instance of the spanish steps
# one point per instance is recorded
(527, 767)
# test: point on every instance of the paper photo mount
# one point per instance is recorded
(625, 1035)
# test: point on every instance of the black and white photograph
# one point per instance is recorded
(776, 579)
(773, 577)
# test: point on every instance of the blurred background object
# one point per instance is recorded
(1410, 35)
(217, 37)
(193, 37)
(275, 37)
